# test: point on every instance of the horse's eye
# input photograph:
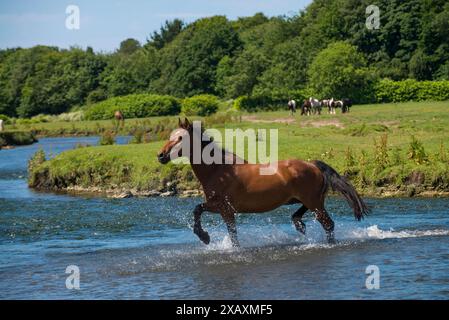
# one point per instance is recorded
(179, 138)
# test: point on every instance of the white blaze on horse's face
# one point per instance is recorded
(180, 140)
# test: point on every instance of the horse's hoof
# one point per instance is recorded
(204, 236)
(331, 238)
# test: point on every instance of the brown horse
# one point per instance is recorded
(240, 187)
(119, 119)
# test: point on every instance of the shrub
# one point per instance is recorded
(200, 105)
(411, 90)
(16, 138)
(5, 118)
(269, 102)
(36, 159)
(134, 106)
(107, 138)
(71, 116)
(416, 151)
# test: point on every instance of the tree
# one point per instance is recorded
(188, 64)
(340, 71)
(128, 46)
(167, 34)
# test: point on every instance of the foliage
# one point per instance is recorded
(411, 90)
(273, 101)
(340, 71)
(134, 106)
(326, 48)
(16, 138)
(416, 151)
(107, 138)
(200, 105)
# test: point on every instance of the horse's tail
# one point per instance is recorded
(340, 184)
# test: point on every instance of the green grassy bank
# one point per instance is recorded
(385, 150)
(16, 138)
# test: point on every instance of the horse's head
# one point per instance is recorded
(174, 146)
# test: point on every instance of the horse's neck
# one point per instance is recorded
(205, 171)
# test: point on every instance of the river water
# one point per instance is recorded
(145, 249)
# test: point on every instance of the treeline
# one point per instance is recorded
(326, 50)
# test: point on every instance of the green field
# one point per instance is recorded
(372, 145)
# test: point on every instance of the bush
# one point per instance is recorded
(265, 102)
(411, 90)
(5, 118)
(107, 138)
(16, 138)
(134, 106)
(200, 105)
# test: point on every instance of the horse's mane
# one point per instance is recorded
(227, 155)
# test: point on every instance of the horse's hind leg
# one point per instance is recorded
(229, 219)
(297, 219)
(326, 222)
(197, 228)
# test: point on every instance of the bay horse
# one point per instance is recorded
(306, 108)
(241, 188)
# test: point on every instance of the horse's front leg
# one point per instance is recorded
(197, 228)
(229, 218)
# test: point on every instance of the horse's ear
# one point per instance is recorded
(180, 124)
(187, 123)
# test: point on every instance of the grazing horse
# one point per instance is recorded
(331, 106)
(325, 103)
(232, 187)
(347, 103)
(306, 108)
(292, 106)
(315, 105)
(339, 104)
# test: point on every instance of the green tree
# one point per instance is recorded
(340, 71)
(167, 34)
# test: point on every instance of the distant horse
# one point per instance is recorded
(119, 118)
(315, 105)
(331, 106)
(347, 104)
(306, 108)
(338, 104)
(325, 103)
(292, 106)
(1, 125)
(231, 188)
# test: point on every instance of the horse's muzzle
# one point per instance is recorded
(163, 159)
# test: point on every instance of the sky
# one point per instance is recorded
(105, 23)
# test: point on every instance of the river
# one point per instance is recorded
(144, 248)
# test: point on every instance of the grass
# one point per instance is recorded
(392, 148)
(16, 138)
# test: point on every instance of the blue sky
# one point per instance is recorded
(105, 23)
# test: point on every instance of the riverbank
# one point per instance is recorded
(391, 150)
(10, 139)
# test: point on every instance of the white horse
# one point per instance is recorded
(1, 125)
(292, 106)
(315, 104)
